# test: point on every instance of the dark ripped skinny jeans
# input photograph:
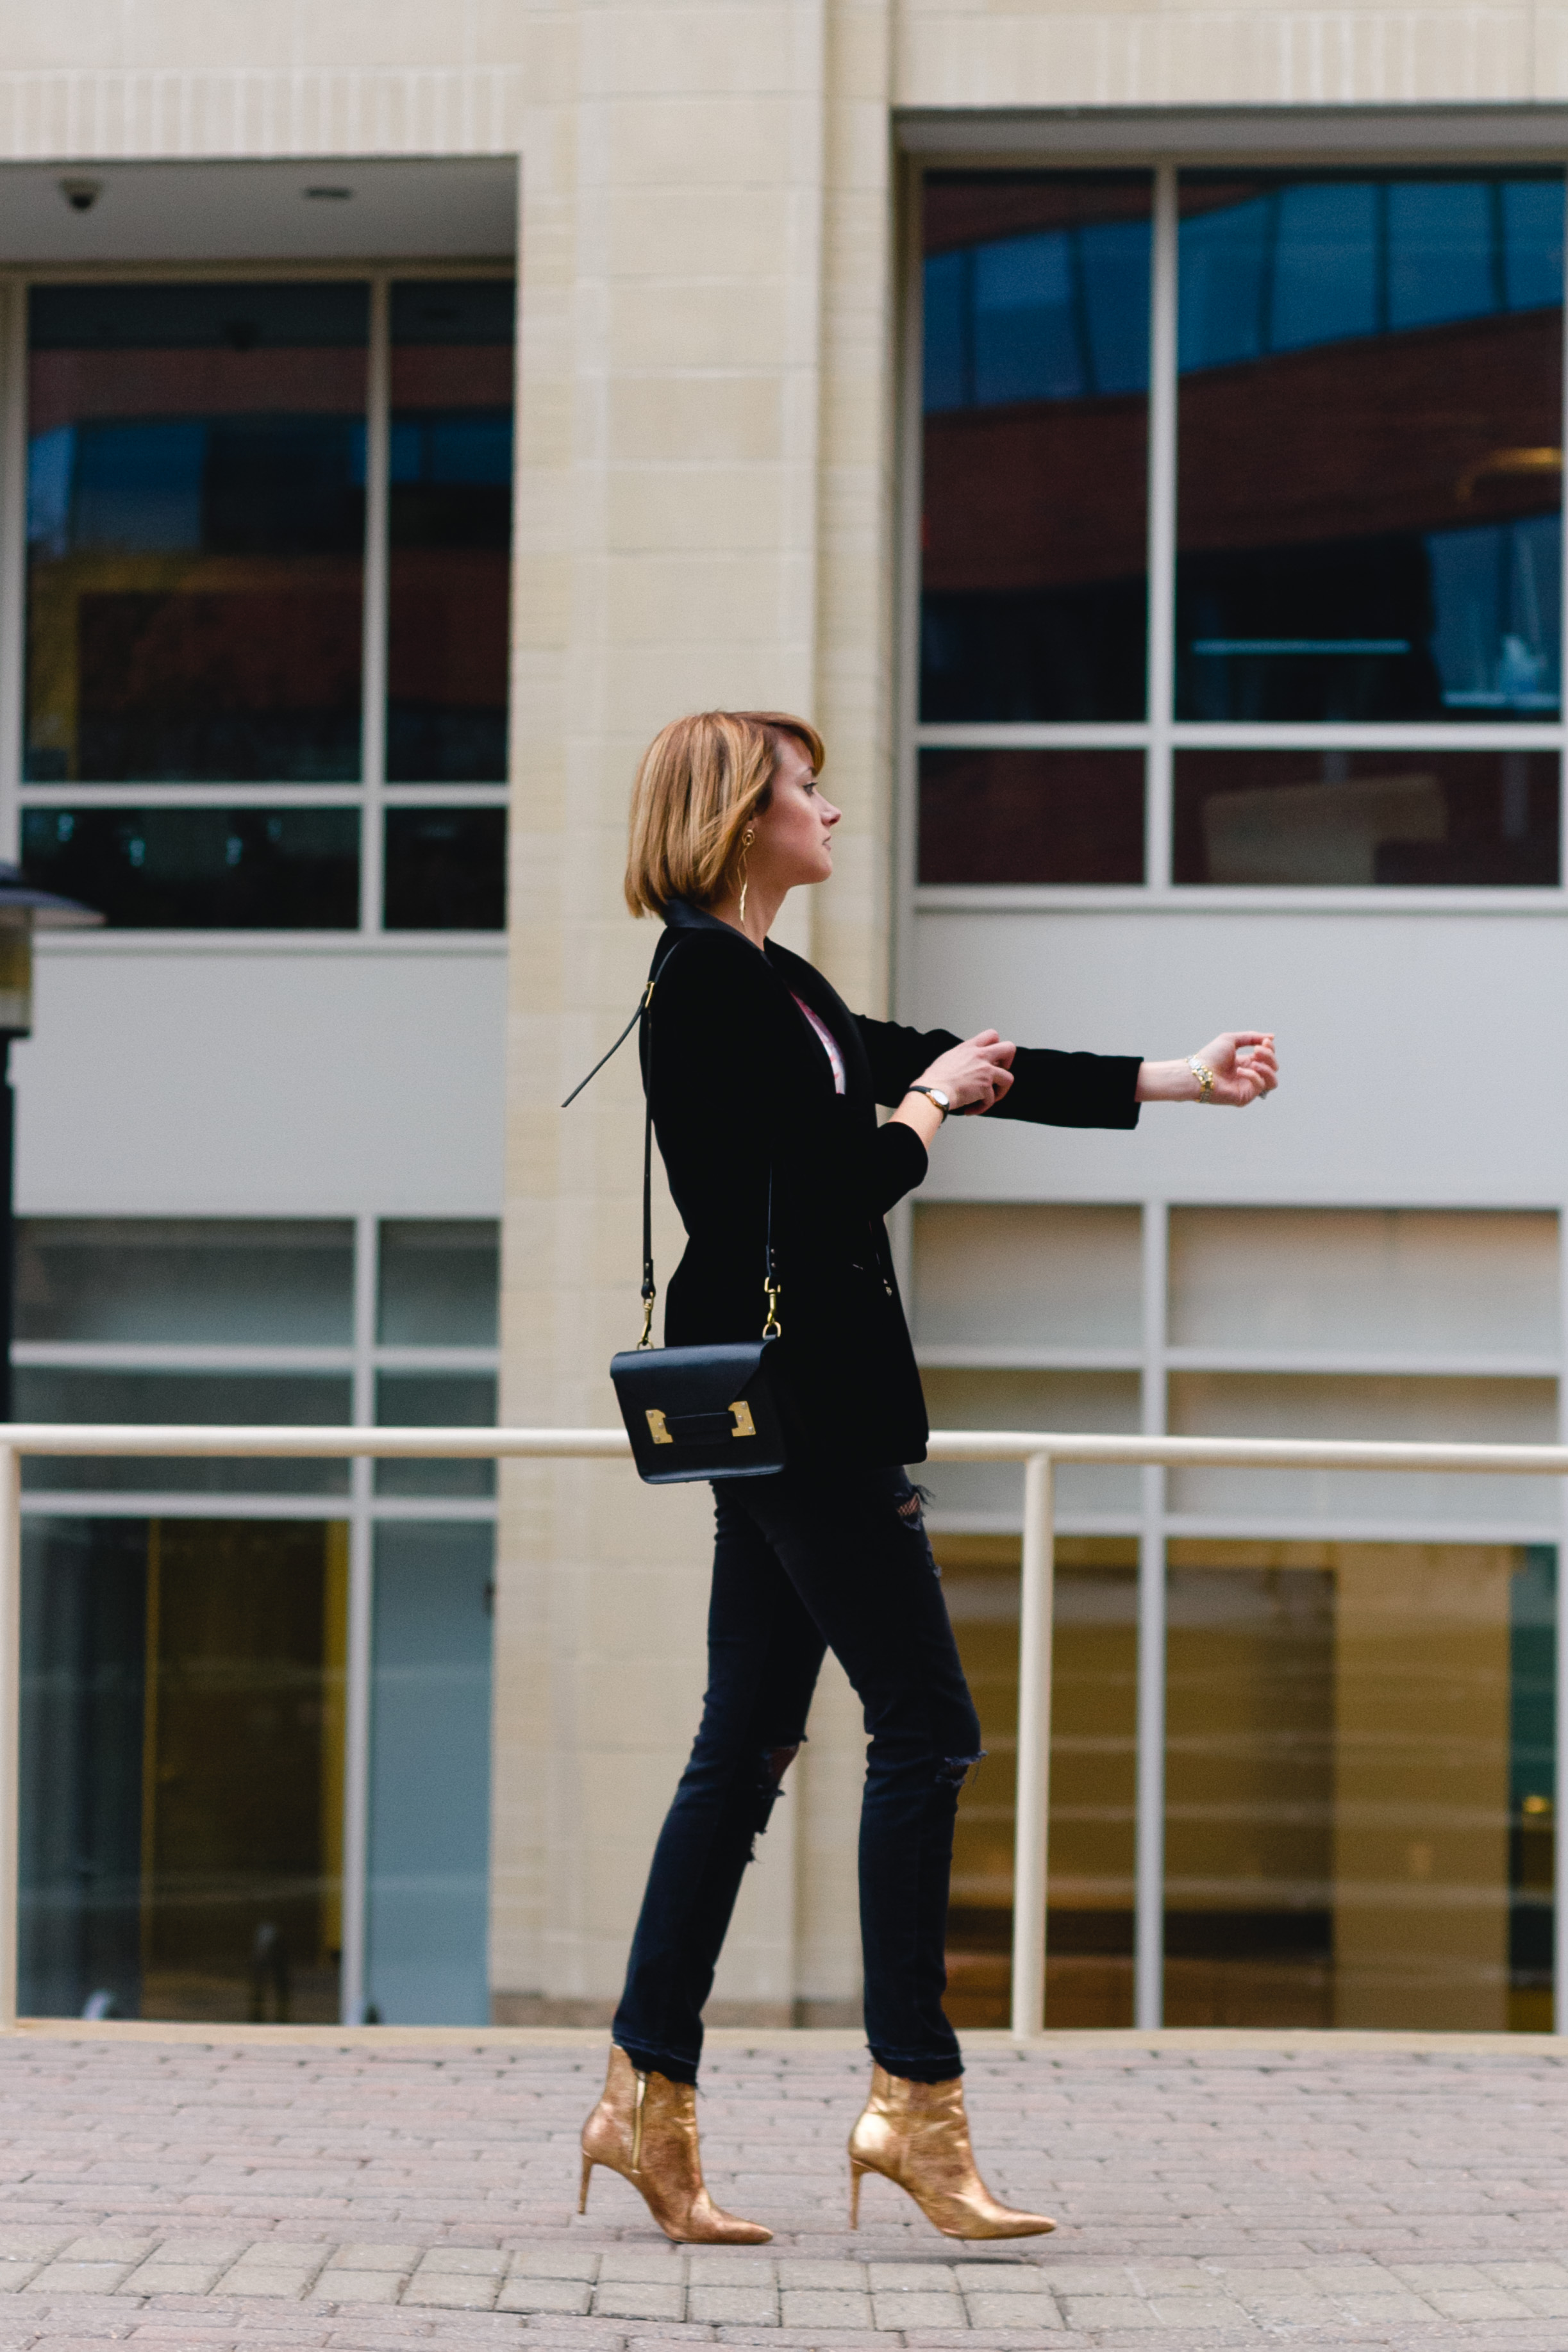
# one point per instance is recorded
(804, 1563)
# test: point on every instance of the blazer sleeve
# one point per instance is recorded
(1049, 1089)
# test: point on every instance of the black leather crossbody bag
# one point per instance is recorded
(695, 1413)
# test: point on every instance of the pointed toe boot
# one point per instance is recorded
(917, 2136)
(645, 2128)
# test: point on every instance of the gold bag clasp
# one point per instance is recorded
(744, 1425)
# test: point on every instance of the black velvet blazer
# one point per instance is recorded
(741, 1084)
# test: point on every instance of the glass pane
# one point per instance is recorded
(446, 869)
(436, 1400)
(1359, 1767)
(428, 1893)
(294, 1399)
(182, 1751)
(1094, 1711)
(440, 1282)
(1036, 375)
(196, 530)
(1398, 818)
(201, 869)
(1031, 816)
(200, 1281)
(1369, 451)
(451, 531)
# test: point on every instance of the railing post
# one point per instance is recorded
(10, 1724)
(352, 1985)
(1031, 1855)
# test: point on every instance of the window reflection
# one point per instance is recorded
(195, 527)
(450, 531)
(1370, 450)
(1355, 818)
(293, 869)
(1036, 340)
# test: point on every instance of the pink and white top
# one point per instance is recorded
(829, 1043)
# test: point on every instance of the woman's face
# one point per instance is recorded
(795, 832)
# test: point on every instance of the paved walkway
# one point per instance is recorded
(1213, 2192)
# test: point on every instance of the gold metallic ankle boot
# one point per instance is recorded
(917, 2136)
(645, 2128)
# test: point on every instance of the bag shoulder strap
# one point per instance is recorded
(771, 1328)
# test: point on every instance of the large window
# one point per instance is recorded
(269, 529)
(1345, 1812)
(1241, 547)
(256, 1694)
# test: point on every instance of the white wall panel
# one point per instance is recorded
(263, 1081)
(1392, 1281)
(1419, 1051)
(1027, 1277)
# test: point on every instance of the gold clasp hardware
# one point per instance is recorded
(744, 1425)
(646, 1340)
(771, 1328)
(655, 1419)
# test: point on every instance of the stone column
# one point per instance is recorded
(672, 512)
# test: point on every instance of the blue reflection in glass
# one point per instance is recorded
(949, 360)
(1325, 274)
(1224, 261)
(51, 469)
(1028, 339)
(1321, 261)
(1497, 608)
(1114, 265)
(1442, 252)
(1532, 244)
(1059, 314)
(473, 447)
(140, 485)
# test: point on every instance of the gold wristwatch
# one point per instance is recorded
(944, 1102)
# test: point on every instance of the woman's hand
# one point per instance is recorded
(973, 1076)
(1244, 1067)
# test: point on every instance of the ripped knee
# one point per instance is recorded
(772, 1763)
(956, 1772)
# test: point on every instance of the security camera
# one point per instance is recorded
(81, 194)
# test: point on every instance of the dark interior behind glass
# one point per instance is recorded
(450, 531)
(995, 816)
(195, 528)
(1036, 431)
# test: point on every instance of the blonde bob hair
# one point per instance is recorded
(700, 783)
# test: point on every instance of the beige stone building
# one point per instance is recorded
(1133, 435)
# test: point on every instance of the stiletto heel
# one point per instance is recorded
(916, 2134)
(645, 2128)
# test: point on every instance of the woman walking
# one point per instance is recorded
(765, 1084)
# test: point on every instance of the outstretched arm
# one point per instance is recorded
(1240, 1069)
(985, 1074)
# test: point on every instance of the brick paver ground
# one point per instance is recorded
(1213, 2192)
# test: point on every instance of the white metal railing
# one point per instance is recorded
(1039, 1452)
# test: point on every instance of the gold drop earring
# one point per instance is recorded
(746, 840)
